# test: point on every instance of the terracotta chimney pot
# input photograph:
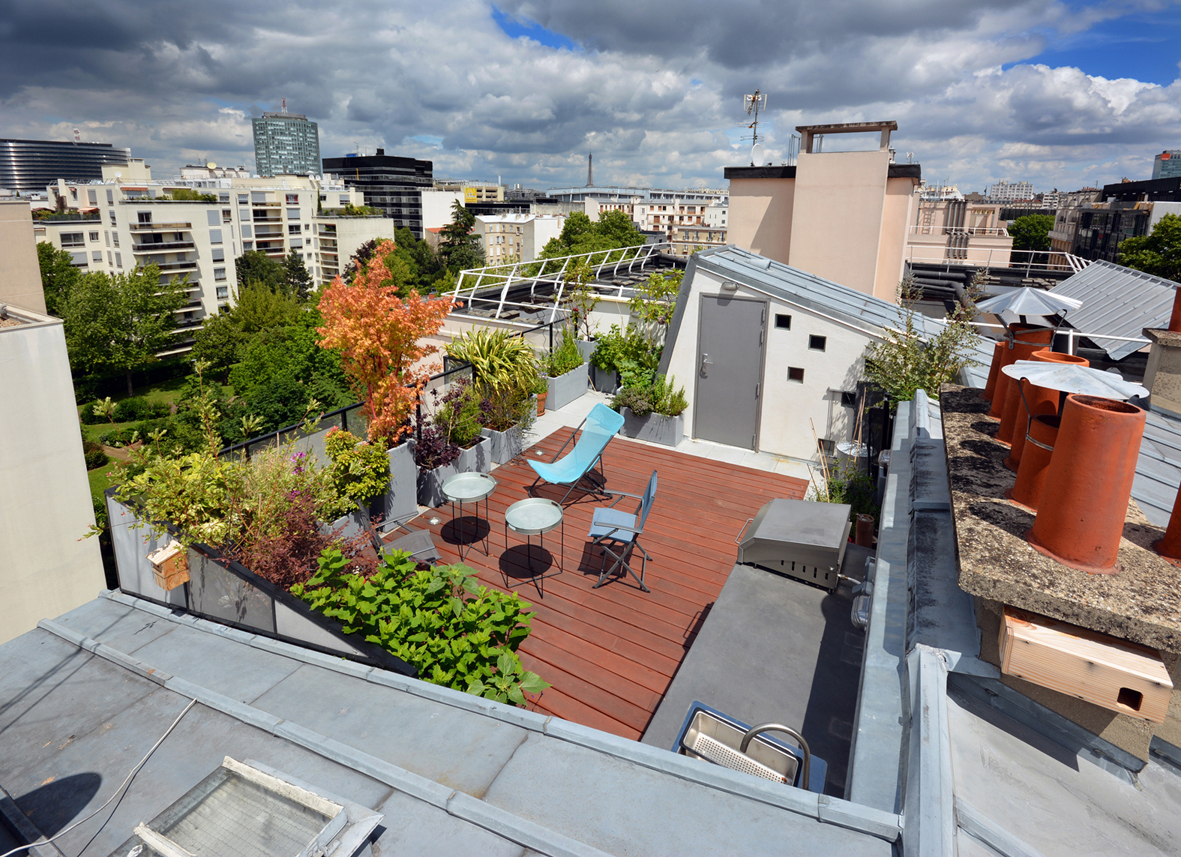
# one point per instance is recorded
(1026, 340)
(1081, 520)
(1042, 401)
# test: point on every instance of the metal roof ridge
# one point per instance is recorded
(829, 810)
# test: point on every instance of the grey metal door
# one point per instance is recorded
(730, 338)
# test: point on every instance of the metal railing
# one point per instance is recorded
(982, 231)
(1072, 335)
(983, 257)
(551, 272)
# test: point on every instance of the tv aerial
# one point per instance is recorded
(753, 104)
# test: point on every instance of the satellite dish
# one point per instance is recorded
(118, 175)
(756, 155)
(211, 166)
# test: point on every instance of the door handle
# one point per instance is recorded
(705, 361)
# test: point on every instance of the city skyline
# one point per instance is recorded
(1058, 94)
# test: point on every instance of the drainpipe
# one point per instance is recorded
(1091, 470)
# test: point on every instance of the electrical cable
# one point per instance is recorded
(134, 771)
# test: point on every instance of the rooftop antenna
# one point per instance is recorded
(77, 136)
(753, 104)
(284, 105)
(590, 169)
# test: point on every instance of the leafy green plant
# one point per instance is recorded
(658, 396)
(904, 361)
(654, 303)
(846, 482)
(440, 620)
(618, 347)
(565, 358)
(579, 297)
(458, 414)
(360, 471)
(500, 360)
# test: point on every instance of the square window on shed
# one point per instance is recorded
(817, 343)
(796, 374)
(782, 321)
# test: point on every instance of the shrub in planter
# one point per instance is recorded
(360, 471)
(457, 633)
(501, 361)
(657, 396)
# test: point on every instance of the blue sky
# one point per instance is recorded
(524, 28)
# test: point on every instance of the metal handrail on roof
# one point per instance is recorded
(513, 273)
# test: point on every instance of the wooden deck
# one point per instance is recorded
(611, 652)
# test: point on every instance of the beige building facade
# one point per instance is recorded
(960, 232)
(516, 237)
(843, 216)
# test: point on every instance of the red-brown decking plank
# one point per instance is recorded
(611, 652)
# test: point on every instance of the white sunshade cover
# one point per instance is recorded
(1029, 301)
(1072, 378)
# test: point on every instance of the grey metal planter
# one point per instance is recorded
(654, 428)
(604, 380)
(586, 347)
(477, 459)
(566, 388)
(505, 445)
(401, 500)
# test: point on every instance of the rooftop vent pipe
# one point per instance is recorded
(1037, 401)
(1092, 469)
(1014, 413)
(1031, 473)
(994, 369)
(1026, 339)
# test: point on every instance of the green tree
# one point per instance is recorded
(459, 247)
(1158, 254)
(217, 343)
(58, 276)
(259, 308)
(297, 280)
(1031, 232)
(122, 321)
(904, 362)
(254, 266)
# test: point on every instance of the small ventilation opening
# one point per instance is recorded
(1131, 698)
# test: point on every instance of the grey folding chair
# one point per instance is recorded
(618, 533)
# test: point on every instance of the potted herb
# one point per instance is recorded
(540, 391)
(652, 410)
(566, 371)
(505, 417)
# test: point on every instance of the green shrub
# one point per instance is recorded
(500, 360)
(458, 414)
(95, 458)
(139, 408)
(360, 471)
(619, 349)
(658, 396)
(455, 632)
(565, 358)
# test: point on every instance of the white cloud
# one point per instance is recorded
(654, 92)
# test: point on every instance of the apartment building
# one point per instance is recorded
(955, 230)
(1167, 164)
(286, 144)
(1092, 223)
(121, 224)
(473, 191)
(390, 184)
(27, 166)
(687, 240)
(1010, 191)
(516, 237)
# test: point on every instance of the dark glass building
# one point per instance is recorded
(392, 184)
(27, 166)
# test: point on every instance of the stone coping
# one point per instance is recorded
(1141, 604)
(1162, 337)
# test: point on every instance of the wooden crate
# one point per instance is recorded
(170, 565)
(1103, 670)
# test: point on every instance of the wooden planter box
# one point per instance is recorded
(654, 428)
(505, 445)
(566, 388)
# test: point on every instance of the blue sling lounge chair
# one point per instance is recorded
(598, 428)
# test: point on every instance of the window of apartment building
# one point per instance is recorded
(293, 199)
(817, 343)
(143, 216)
(795, 374)
(243, 215)
(218, 254)
(72, 239)
(110, 259)
(214, 236)
(247, 245)
(243, 198)
(94, 237)
(247, 231)
(110, 197)
(92, 196)
(107, 235)
(344, 199)
(293, 214)
(96, 256)
(118, 260)
(295, 243)
(258, 196)
(115, 239)
(223, 293)
(112, 213)
(782, 321)
(213, 217)
(219, 273)
(293, 229)
(223, 198)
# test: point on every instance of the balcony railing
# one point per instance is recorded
(148, 227)
(990, 231)
(190, 265)
(162, 246)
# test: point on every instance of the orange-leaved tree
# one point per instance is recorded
(379, 337)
